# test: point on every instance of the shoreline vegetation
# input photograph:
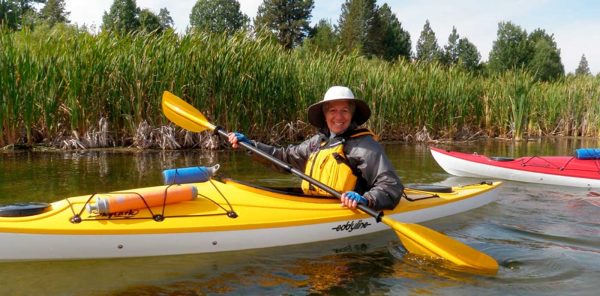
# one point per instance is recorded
(68, 89)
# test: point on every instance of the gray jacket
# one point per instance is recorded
(377, 182)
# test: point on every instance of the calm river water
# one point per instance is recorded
(546, 238)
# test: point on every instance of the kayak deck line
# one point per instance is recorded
(567, 165)
(257, 207)
(553, 170)
(545, 162)
(158, 217)
(266, 218)
(289, 195)
(78, 205)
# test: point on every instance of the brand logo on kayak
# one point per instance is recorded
(352, 225)
(125, 214)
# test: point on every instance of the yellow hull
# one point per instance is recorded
(225, 216)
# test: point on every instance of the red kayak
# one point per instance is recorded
(554, 170)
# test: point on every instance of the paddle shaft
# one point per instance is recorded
(416, 238)
(287, 167)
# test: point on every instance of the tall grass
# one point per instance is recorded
(55, 84)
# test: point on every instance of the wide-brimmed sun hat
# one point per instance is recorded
(316, 117)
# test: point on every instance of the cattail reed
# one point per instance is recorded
(63, 84)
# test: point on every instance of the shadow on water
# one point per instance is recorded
(546, 238)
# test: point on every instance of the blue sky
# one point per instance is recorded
(574, 23)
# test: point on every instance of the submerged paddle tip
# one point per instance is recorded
(428, 243)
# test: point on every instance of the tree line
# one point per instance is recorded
(363, 27)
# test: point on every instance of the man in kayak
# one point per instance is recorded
(341, 155)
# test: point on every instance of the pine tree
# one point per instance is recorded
(351, 25)
(366, 28)
(583, 69)
(54, 12)
(450, 55)
(395, 41)
(468, 55)
(427, 47)
(166, 21)
(374, 31)
(122, 17)
(286, 19)
(323, 37)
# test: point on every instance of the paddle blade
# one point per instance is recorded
(426, 242)
(184, 114)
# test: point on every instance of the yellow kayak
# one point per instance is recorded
(212, 216)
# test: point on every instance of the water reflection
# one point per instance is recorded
(360, 270)
(80, 173)
(546, 238)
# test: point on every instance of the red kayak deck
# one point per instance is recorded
(556, 165)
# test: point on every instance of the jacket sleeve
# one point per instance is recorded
(384, 187)
(295, 155)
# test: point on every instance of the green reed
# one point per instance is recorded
(55, 83)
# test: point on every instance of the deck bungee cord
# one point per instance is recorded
(126, 204)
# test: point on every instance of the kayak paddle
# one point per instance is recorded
(416, 238)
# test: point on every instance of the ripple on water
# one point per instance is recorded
(537, 239)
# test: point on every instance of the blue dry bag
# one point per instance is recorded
(587, 153)
(189, 175)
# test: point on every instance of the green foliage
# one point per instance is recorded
(460, 52)
(149, 21)
(9, 14)
(372, 31)
(427, 48)
(60, 81)
(166, 21)
(323, 38)
(350, 25)
(122, 17)
(125, 17)
(517, 92)
(511, 50)
(54, 12)
(361, 28)
(286, 19)
(450, 54)
(583, 69)
(15, 14)
(373, 38)
(468, 55)
(218, 16)
(536, 53)
(396, 41)
(545, 62)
